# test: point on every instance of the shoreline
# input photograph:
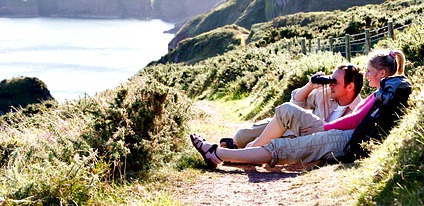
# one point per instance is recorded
(174, 30)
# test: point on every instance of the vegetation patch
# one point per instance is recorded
(22, 91)
(213, 43)
(66, 155)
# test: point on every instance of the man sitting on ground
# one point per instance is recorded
(326, 103)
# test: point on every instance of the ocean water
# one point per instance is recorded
(78, 57)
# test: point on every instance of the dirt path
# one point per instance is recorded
(242, 184)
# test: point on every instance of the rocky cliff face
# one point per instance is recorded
(167, 10)
(174, 9)
(96, 8)
(22, 91)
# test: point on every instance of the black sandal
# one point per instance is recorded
(228, 143)
(210, 157)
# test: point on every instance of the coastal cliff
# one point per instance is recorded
(245, 13)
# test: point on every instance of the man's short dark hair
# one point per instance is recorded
(353, 74)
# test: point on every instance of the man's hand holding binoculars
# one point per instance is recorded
(319, 79)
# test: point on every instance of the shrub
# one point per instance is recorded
(140, 129)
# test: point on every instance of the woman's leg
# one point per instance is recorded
(253, 155)
(214, 155)
(308, 148)
(280, 151)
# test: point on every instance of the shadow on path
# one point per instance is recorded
(264, 173)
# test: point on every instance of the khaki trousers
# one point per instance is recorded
(289, 116)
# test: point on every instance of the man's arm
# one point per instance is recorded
(299, 96)
(303, 92)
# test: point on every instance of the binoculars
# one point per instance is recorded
(322, 80)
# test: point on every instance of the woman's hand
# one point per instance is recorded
(311, 130)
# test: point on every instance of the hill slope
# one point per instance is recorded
(246, 13)
(312, 25)
(206, 45)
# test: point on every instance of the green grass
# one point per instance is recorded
(394, 173)
(337, 23)
(206, 45)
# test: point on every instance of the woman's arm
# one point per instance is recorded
(352, 120)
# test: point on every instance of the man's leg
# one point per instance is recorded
(245, 136)
(272, 131)
(288, 116)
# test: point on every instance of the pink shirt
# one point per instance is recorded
(352, 120)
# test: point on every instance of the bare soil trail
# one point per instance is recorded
(243, 184)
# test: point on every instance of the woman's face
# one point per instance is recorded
(374, 76)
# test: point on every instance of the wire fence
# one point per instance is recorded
(351, 45)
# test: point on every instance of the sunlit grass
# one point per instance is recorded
(214, 127)
(394, 172)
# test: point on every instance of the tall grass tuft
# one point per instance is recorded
(43, 162)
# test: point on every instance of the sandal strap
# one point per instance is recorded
(197, 143)
(211, 158)
(212, 151)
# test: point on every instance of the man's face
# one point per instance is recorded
(338, 89)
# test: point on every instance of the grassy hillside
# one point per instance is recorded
(208, 44)
(128, 144)
(337, 23)
(246, 13)
(308, 25)
(70, 153)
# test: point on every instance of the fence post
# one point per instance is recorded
(347, 42)
(390, 29)
(309, 45)
(367, 41)
(318, 44)
(302, 45)
(331, 40)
